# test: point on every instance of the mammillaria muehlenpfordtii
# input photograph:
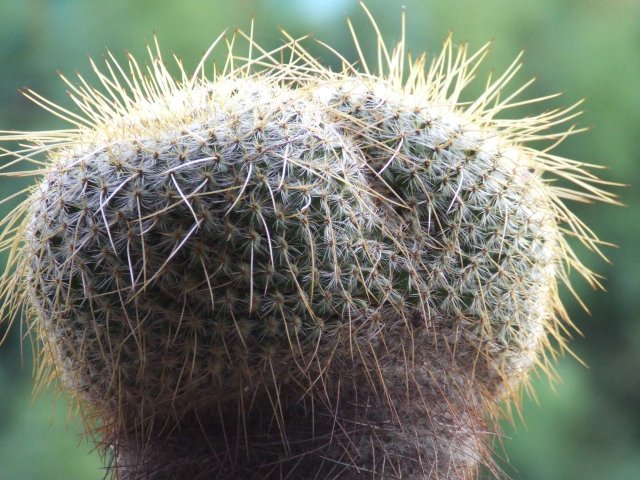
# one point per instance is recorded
(285, 271)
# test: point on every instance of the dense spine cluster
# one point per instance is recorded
(286, 272)
(480, 221)
(183, 262)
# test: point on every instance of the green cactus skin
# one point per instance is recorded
(286, 272)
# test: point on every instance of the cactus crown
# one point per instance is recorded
(282, 236)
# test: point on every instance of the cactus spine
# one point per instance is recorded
(286, 272)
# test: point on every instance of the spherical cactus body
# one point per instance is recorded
(288, 272)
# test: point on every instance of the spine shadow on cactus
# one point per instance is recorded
(290, 272)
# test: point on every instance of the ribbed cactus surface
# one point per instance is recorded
(292, 271)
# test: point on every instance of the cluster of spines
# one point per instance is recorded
(273, 227)
(200, 233)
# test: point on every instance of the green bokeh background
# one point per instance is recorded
(587, 426)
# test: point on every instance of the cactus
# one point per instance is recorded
(290, 272)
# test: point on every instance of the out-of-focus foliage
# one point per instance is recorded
(589, 427)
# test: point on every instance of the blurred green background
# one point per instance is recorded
(585, 427)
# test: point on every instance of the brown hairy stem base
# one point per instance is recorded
(423, 421)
